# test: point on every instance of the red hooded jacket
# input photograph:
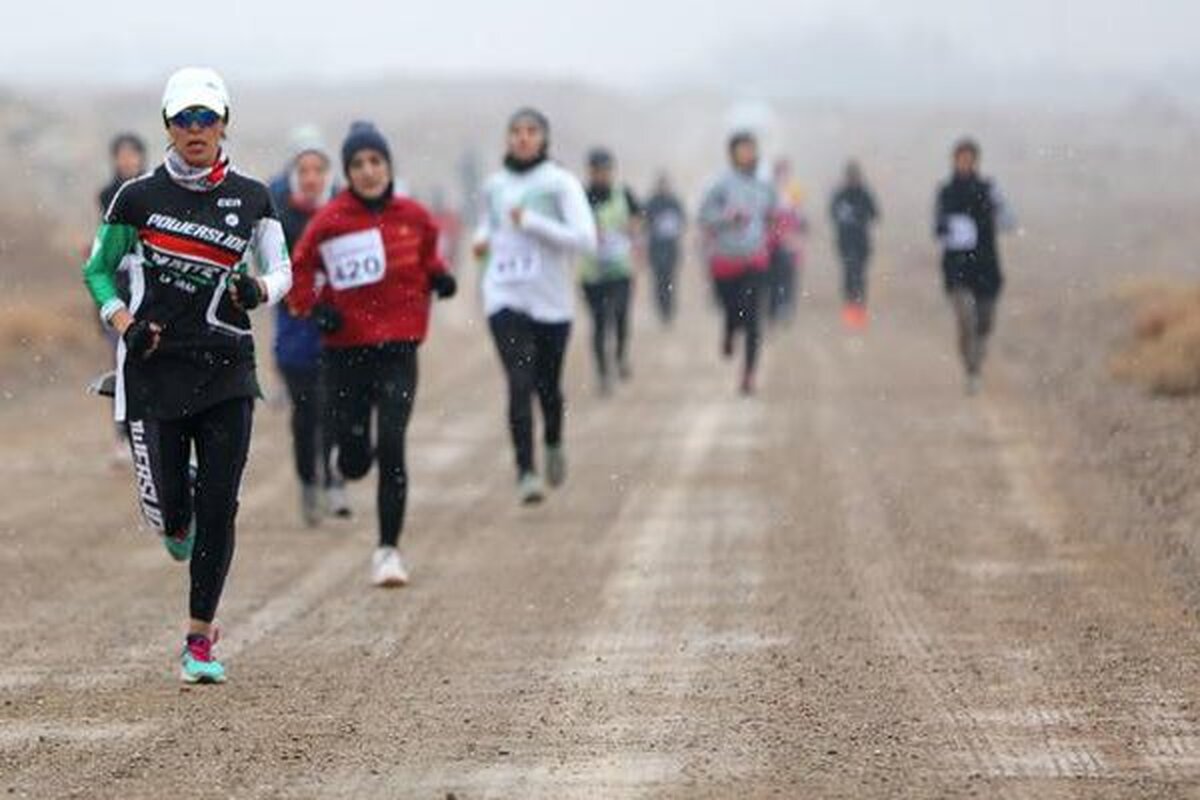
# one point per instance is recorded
(375, 268)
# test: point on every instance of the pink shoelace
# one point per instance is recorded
(200, 647)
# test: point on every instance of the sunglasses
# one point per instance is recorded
(196, 115)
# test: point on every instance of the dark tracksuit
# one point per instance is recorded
(968, 210)
(665, 220)
(853, 211)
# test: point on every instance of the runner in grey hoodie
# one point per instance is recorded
(735, 217)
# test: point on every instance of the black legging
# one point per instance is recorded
(782, 280)
(384, 378)
(664, 257)
(854, 277)
(975, 314)
(169, 493)
(608, 301)
(312, 424)
(741, 299)
(532, 355)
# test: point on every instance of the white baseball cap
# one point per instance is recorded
(195, 86)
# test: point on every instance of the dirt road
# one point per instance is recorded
(859, 584)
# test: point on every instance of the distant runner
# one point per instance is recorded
(535, 219)
(608, 275)
(665, 224)
(853, 212)
(377, 257)
(303, 188)
(970, 211)
(450, 228)
(203, 248)
(736, 217)
(128, 154)
(789, 226)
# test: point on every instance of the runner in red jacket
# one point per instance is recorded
(365, 269)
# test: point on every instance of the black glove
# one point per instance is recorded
(327, 318)
(141, 338)
(444, 285)
(249, 294)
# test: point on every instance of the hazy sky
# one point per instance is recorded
(620, 42)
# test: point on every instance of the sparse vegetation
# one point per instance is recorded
(1164, 353)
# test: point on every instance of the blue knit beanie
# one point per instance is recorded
(363, 136)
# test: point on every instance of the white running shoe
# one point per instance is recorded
(387, 568)
(530, 489)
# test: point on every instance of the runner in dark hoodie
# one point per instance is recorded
(665, 223)
(128, 154)
(853, 211)
(969, 212)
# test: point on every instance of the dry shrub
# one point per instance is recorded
(1158, 316)
(1164, 355)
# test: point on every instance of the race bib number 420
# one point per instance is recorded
(355, 259)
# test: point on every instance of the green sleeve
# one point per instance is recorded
(113, 242)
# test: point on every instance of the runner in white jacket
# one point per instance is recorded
(536, 219)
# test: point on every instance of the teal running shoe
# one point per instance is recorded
(180, 545)
(196, 663)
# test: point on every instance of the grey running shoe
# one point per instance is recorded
(530, 489)
(556, 465)
(337, 504)
(310, 505)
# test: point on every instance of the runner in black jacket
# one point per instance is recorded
(969, 212)
(128, 154)
(665, 222)
(853, 211)
(194, 231)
